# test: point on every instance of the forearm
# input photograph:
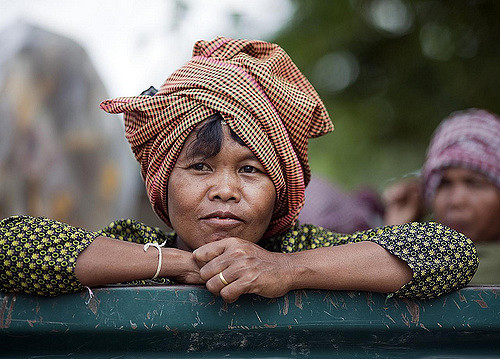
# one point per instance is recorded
(108, 261)
(356, 266)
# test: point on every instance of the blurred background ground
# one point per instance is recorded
(388, 70)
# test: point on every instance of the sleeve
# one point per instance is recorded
(442, 259)
(38, 255)
(137, 232)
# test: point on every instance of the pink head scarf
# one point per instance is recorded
(468, 139)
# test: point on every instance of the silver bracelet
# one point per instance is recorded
(157, 246)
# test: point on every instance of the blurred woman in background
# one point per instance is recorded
(459, 186)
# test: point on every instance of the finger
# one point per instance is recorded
(233, 256)
(216, 265)
(199, 263)
(209, 251)
(392, 194)
(215, 284)
(193, 279)
(221, 264)
(401, 192)
(230, 293)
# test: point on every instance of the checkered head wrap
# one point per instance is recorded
(468, 139)
(262, 96)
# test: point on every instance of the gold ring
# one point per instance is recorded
(222, 279)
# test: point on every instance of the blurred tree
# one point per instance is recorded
(389, 71)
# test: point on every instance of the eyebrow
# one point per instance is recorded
(250, 156)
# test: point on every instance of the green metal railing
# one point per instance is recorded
(188, 321)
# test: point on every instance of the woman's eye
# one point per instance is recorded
(476, 183)
(248, 169)
(444, 183)
(200, 167)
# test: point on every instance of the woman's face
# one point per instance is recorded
(468, 202)
(228, 195)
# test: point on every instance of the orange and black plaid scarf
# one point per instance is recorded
(262, 96)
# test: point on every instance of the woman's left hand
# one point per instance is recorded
(245, 266)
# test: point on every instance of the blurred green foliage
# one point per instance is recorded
(389, 71)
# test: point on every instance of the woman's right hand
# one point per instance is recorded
(403, 202)
(180, 266)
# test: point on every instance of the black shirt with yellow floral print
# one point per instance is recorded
(38, 255)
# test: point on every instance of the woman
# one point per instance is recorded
(223, 152)
(460, 185)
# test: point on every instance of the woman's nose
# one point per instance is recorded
(225, 187)
(459, 196)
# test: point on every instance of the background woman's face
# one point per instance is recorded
(468, 202)
(227, 195)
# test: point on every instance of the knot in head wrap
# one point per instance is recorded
(467, 139)
(262, 96)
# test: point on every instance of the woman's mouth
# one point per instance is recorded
(222, 219)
